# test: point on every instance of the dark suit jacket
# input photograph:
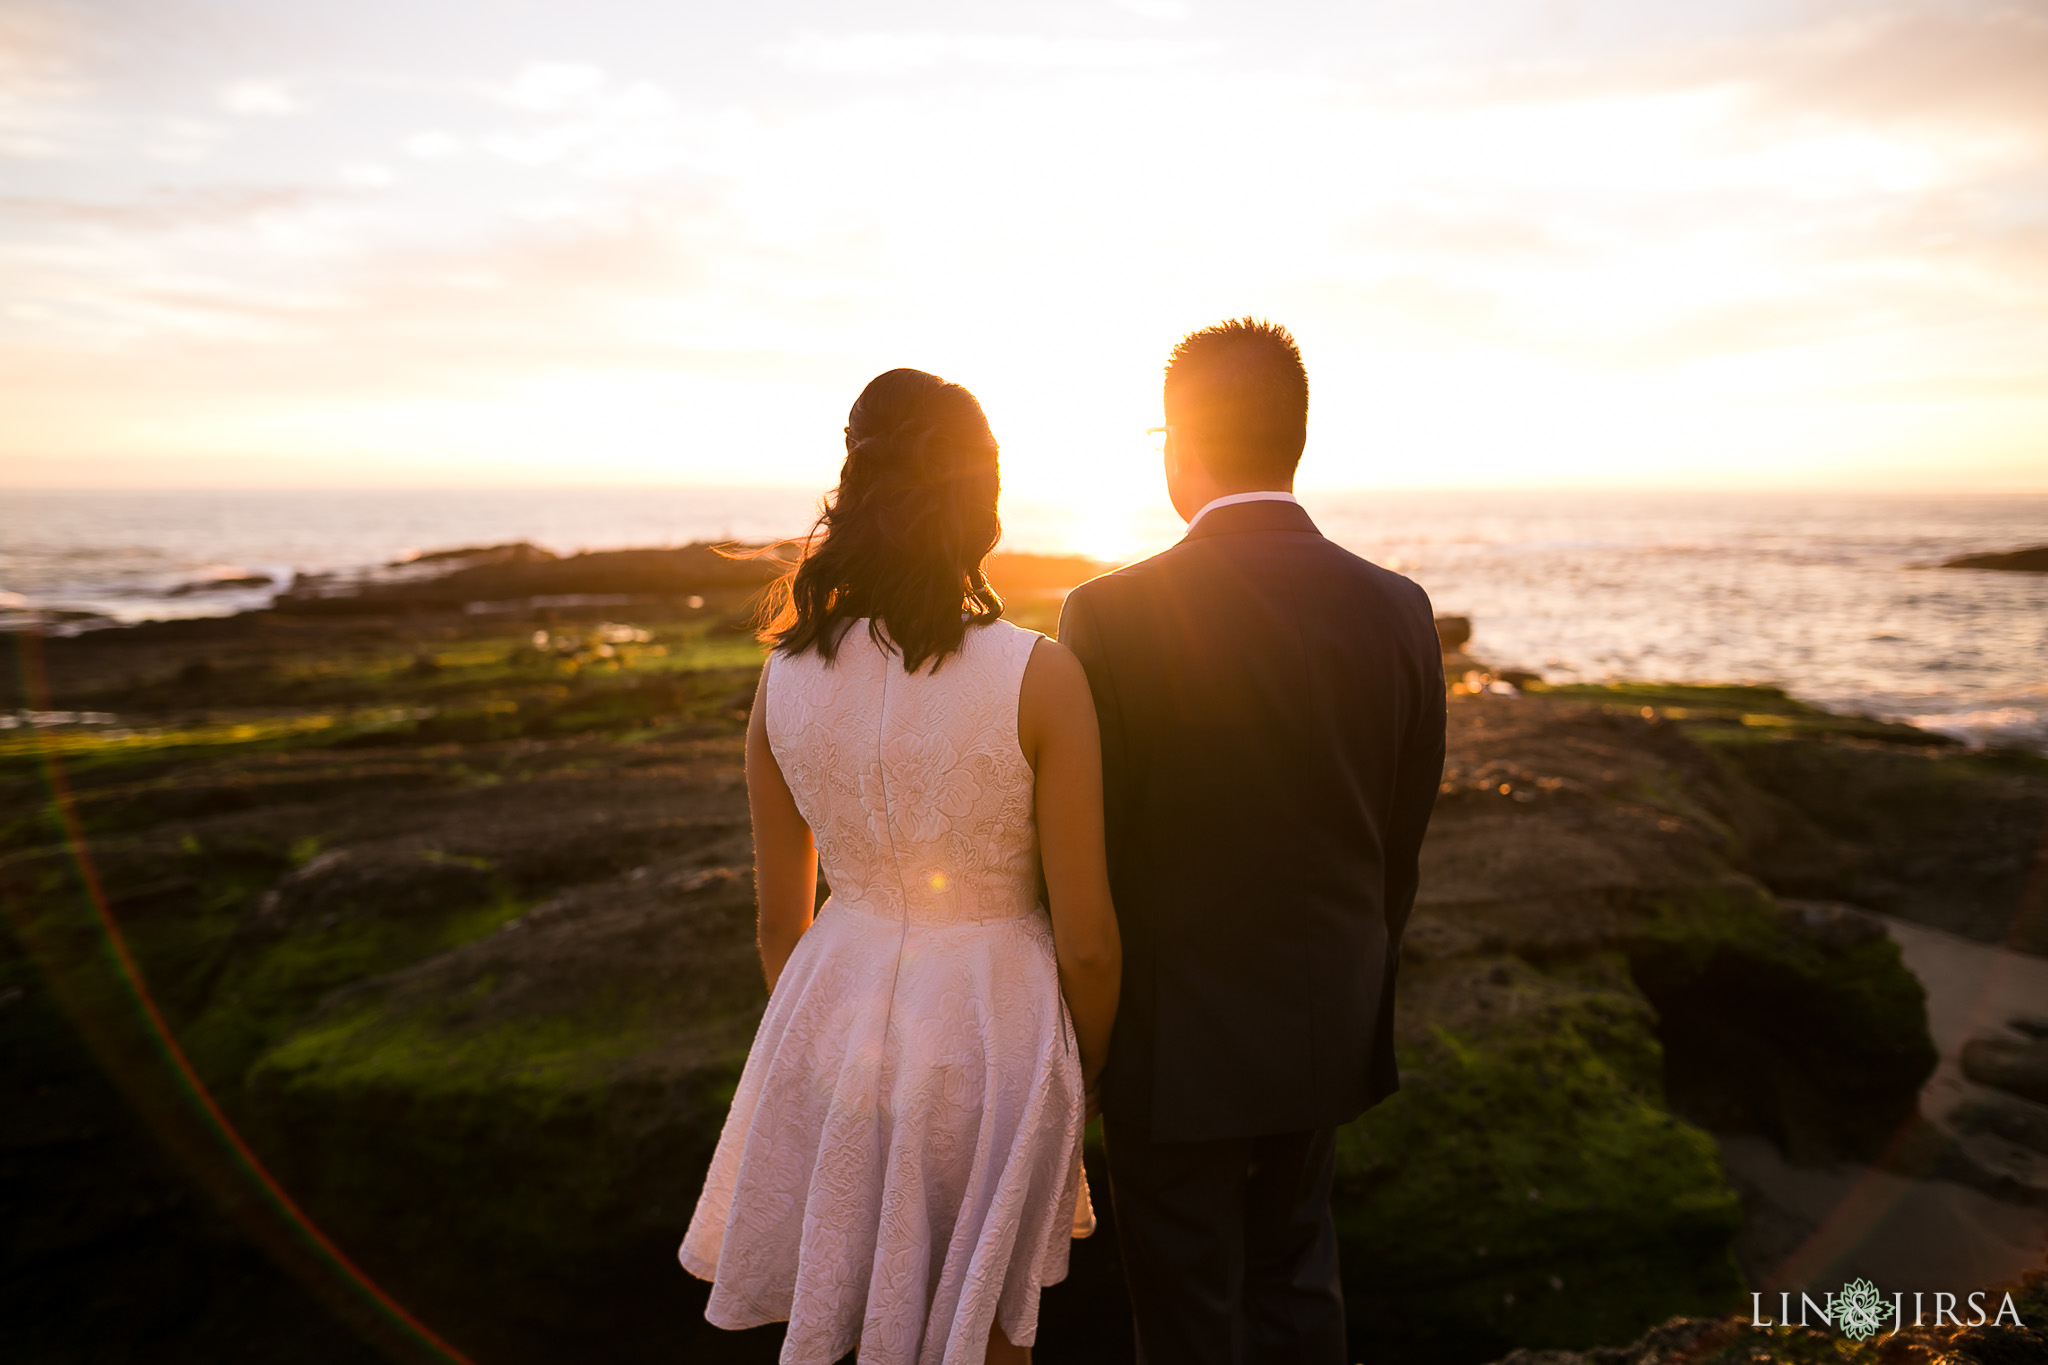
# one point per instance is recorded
(1272, 711)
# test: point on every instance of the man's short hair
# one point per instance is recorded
(1241, 387)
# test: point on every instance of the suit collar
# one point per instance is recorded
(1252, 516)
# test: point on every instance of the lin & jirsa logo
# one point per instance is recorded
(1860, 1311)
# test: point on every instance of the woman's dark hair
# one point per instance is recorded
(904, 539)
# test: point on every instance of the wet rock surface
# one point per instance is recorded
(2020, 1067)
(2010, 1117)
(1596, 978)
(465, 951)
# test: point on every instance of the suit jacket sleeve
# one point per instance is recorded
(1417, 775)
(1081, 632)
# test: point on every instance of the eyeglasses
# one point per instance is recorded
(1160, 436)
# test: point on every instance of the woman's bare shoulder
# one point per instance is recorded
(1055, 666)
(1054, 699)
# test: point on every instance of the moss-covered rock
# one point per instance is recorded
(344, 915)
(466, 947)
(1529, 1153)
(1591, 982)
(1940, 835)
(517, 1128)
(1816, 1040)
(1886, 815)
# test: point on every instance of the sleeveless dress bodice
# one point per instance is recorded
(913, 783)
(901, 1166)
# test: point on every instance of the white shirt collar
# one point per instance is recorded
(1232, 499)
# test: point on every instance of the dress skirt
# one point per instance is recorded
(901, 1166)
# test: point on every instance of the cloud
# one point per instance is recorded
(551, 87)
(176, 140)
(261, 265)
(619, 131)
(1981, 64)
(1159, 11)
(1459, 232)
(434, 145)
(891, 54)
(366, 175)
(41, 90)
(260, 98)
(167, 208)
(1809, 202)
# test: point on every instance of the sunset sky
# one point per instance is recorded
(282, 243)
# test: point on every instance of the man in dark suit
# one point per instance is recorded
(1272, 712)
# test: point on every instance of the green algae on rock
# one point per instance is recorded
(467, 950)
(1591, 980)
(1529, 1153)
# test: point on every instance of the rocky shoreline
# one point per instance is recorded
(442, 883)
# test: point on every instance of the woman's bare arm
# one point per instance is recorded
(785, 858)
(1056, 729)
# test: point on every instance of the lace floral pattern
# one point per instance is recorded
(901, 1164)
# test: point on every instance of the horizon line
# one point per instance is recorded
(1830, 487)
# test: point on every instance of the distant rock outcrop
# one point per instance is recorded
(236, 584)
(522, 574)
(2033, 559)
(513, 552)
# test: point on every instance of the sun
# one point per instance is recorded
(1105, 530)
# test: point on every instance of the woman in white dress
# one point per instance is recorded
(900, 1173)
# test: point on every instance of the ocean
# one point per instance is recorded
(1829, 596)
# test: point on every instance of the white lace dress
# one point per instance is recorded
(902, 1163)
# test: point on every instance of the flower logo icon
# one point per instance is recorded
(1859, 1309)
